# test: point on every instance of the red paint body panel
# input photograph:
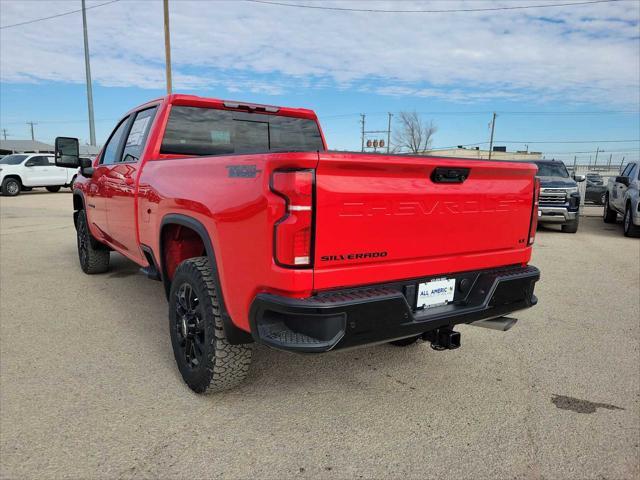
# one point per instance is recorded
(363, 204)
(389, 206)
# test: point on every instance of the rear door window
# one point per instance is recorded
(137, 137)
(207, 131)
(38, 162)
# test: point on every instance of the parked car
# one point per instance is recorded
(622, 198)
(559, 195)
(259, 234)
(25, 171)
(595, 189)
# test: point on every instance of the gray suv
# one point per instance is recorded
(622, 197)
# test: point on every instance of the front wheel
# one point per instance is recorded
(207, 361)
(630, 230)
(609, 215)
(54, 189)
(94, 257)
(10, 187)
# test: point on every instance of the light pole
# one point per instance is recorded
(31, 124)
(167, 46)
(87, 68)
(493, 126)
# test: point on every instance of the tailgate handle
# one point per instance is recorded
(449, 175)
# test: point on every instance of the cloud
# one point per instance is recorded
(578, 54)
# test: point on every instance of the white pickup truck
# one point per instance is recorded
(24, 171)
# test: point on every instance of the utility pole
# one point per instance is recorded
(493, 126)
(596, 161)
(4, 133)
(621, 164)
(167, 46)
(575, 161)
(389, 133)
(362, 120)
(32, 135)
(610, 158)
(87, 70)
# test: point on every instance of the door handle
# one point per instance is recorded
(449, 175)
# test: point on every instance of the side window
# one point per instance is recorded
(138, 135)
(113, 145)
(633, 172)
(52, 161)
(625, 172)
(38, 162)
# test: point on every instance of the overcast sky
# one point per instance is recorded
(580, 58)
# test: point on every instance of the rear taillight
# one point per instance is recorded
(533, 224)
(293, 232)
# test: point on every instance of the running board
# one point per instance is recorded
(501, 323)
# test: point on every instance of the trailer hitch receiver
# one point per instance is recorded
(442, 339)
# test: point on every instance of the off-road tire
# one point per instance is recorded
(200, 331)
(630, 230)
(11, 187)
(405, 342)
(571, 227)
(93, 256)
(54, 189)
(609, 215)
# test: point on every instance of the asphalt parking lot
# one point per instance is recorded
(89, 387)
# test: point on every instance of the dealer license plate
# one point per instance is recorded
(436, 292)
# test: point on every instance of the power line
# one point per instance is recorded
(451, 10)
(56, 16)
(500, 112)
(567, 141)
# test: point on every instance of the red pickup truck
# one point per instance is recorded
(259, 234)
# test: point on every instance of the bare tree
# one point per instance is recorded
(413, 133)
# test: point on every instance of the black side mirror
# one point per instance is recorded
(86, 167)
(67, 152)
(623, 180)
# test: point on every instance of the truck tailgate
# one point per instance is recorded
(387, 217)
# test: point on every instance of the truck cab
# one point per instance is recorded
(559, 196)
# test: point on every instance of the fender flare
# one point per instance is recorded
(234, 334)
(14, 175)
(77, 194)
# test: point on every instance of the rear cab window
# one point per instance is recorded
(208, 131)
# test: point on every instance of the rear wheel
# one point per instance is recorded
(207, 361)
(571, 227)
(405, 342)
(609, 215)
(94, 257)
(630, 230)
(10, 187)
(54, 189)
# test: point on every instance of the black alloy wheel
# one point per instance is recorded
(189, 326)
